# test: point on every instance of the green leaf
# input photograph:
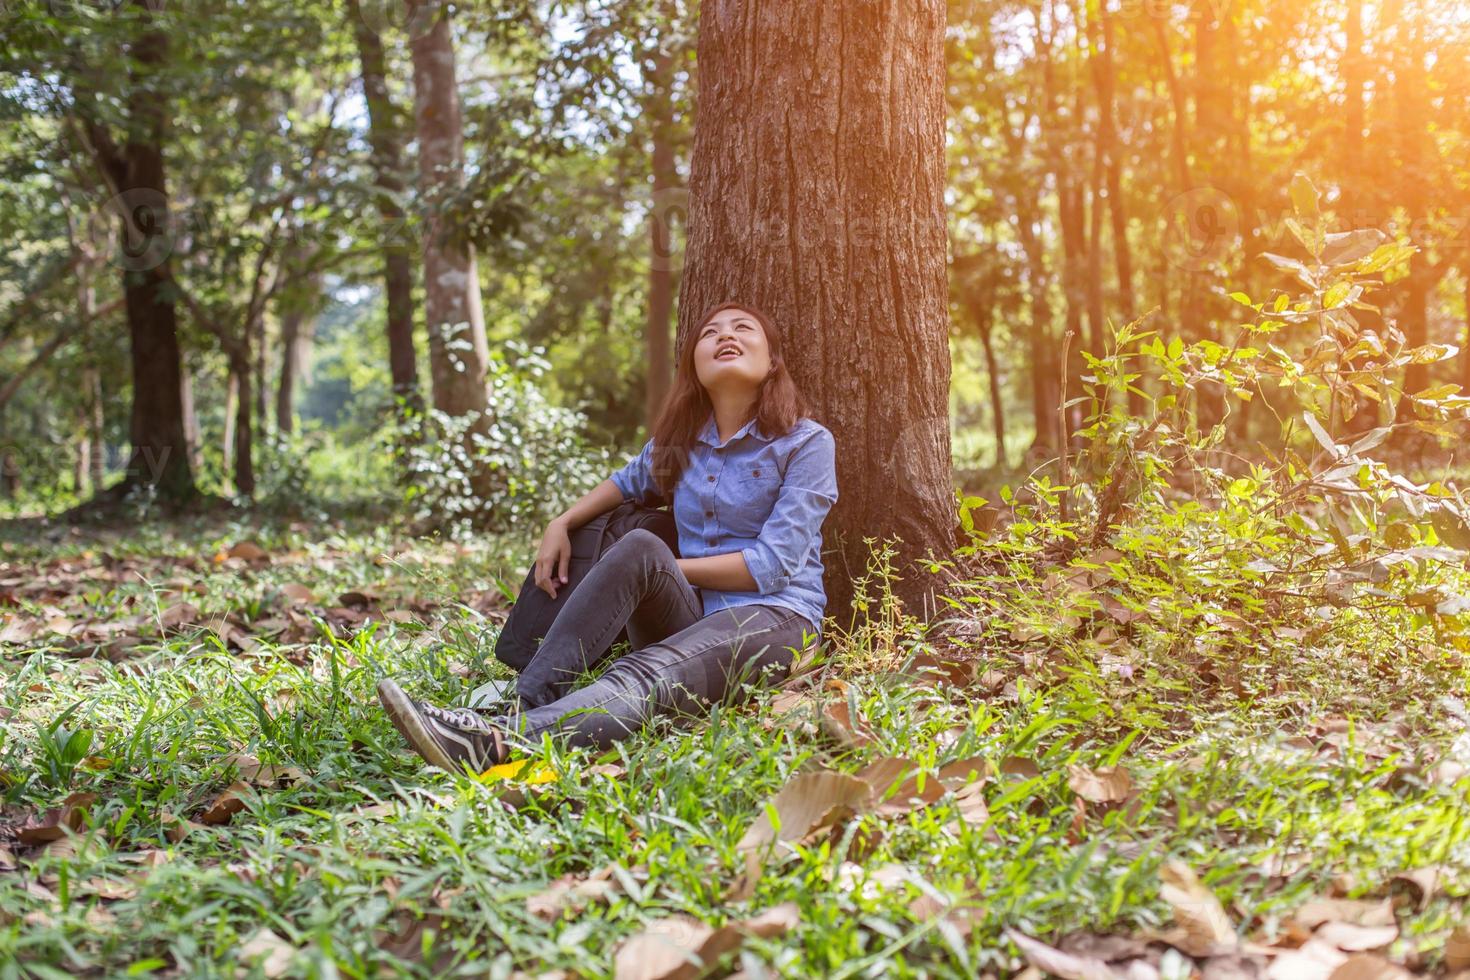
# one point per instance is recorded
(1302, 273)
(1347, 247)
(1304, 197)
(1320, 433)
(1310, 236)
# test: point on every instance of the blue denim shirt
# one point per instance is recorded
(763, 496)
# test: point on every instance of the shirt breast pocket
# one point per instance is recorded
(754, 490)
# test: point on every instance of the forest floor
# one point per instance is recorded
(198, 780)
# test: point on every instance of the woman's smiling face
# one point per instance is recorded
(731, 350)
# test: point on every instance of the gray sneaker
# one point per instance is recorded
(450, 738)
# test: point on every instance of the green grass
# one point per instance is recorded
(371, 842)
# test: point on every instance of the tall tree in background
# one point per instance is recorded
(136, 172)
(658, 106)
(817, 194)
(385, 134)
(458, 351)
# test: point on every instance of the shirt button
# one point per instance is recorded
(711, 542)
(756, 473)
(709, 513)
(710, 478)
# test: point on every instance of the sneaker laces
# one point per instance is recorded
(464, 718)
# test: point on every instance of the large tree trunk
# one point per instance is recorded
(385, 137)
(160, 454)
(457, 348)
(661, 259)
(817, 194)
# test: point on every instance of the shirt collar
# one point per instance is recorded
(711, 433)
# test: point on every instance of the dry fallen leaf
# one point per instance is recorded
(1107, 784)
(838, 723)
(896, 786)
(969, 802)
(1352, 938)
(1457, 949)
(1366, 966)
(176, 829)
(962, 771)
(572, 893)
(1201, 919)
(811, 801)
(1422, 883)
(667, 950)
(273, 953)
(265, 776)
(1057, 963)
(297, 594)
(1315, 960)
(178, 614)
(680, 947)
(247, 551)
(55, 822)
(1359, 912)
(226, 805)
(1020, 767)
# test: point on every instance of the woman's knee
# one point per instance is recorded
(636, 546)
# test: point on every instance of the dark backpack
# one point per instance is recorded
(532, 614)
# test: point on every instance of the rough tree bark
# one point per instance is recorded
(457, 348)
(160, 456)
(386, 139)
(817, 194)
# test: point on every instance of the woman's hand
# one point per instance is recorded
(553, 557)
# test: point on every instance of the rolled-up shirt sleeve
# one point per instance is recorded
(808, 491)
(635, 479)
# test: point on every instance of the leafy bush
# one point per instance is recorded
(1158, 550)
(522, 463)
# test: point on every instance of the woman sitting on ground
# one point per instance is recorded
(751, 479)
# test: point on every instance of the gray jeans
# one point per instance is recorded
(680, 661)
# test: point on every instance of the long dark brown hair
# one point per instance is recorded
(778, 405)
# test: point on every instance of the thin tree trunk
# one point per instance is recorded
(244, 470)
(1041, 344)
(1108, 131)
(296, 331)
(818, 196)
(385, 136)
(1096, 316)
(982, 314)
(1465, 345)
(97, 426)
(457, 348)
(256, 327)
(657, 339)
(191, 417)
(232, 396)
(1411, 99)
